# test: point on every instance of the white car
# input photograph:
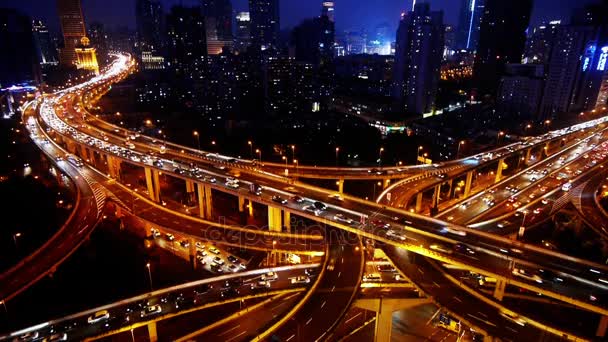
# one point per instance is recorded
(99, 316)
(270, 276)
(300, 280)
(150, 310)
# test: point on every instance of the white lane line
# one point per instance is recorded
(308, 322)
(229, 330)
(235, 337)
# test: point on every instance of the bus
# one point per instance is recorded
(75, 160)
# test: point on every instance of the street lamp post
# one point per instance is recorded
(250, 143)
(198, 139)
(418, 153)
(337, 154)
(259, 152)
(295, 161)
(284, 159)
(149, 276)
(15, 236)
(458, 150)
(500, 134)
(380, 156)
(293, 151)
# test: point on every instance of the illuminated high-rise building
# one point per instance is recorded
(418, 55)
(243, 31)
(44, 45)
(218, 25)
(73, 29)
(469, 24)
(187, 41)
(328, 11)
(149, 23)
(86, 57)
(265, 23)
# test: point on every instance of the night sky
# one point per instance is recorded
(350, 14)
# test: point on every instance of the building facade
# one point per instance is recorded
(469, 24)
(72, 28)
(265, 23)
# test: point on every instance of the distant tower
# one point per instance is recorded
(73, 29)
(418, 61)
(469, 23)
(86, 57)
(44, 45)
(328, 11)
(218, 25)
(149, 23)
(243, 31)
(265, 23)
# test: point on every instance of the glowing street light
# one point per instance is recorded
(150, 276)
(458, 150)
(337, 154)
(259, 153)
(198, 139)
(380, 156)
(250, 143)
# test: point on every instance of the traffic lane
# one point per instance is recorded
(248, 325)
(589, 205)
(418, 324)
(130, 311)
(523, 179)
(334, 294)
(555, 179)
(458, 300)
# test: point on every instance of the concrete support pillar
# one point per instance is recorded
(241, 204)
(545, 152)
(501, 163)
(467, 184)
(418, 202)
(341, 186)
(287, 220)
(205, 201)
(192, 252)
(602, 327)
(114, 167)
(152, 184)
(191, 195)
(274, 219)
(384, 325)
(451, 189)
(528, 154)
(250, 207)
(385, 183)
(499, 290)
(436, 195)
(152, 331)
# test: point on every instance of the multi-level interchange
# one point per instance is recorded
(435, 222)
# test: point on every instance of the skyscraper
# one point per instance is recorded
(218, 24)
(540, 42)
(469, 23)
(419, 49)
(187, 44)
(501, 40)
(73, 29)
(44, 45)
(265, 23)
(243, 31)
(149, 22)
(328, 10)
(20, 64)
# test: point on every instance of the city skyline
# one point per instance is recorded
(292, 14)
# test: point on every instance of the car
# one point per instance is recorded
(99, 316)
(233, 185)
(255, 189)
(297, 199)
(395, 235)
(150, 310)
(279, 199)
(59, 158)
(231, 292)
(184, 243)
(342, 218)
(464, 249)
(440, 248)
(520, 272)
(260, 285)
(202, 289)
(199, 245)
(320, 205)
(214, 250)
(30, 336)
(209, 179)
(312, 209)
(337, 197)
(218, 261)
(233, 268)
(232, 259)
(269, 276)
(300, 280)
(453, 231)
(235, 282)
(170, 237)
(380, 224)
(513, 317)
(58, 337)
(372, 277)
(154, 232)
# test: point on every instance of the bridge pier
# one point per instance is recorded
(274, 219)
(152, 332)
(499, 290)
(527, 157)
(113, 167)
(602, 327)
(341, 186)
(418, 202)
(205, 201)
(501, 163)
(467, 184)
(436, 195)
(152, 183)
(384, 308)
(287, 221)
(192, 252)
(385, 183)
(190, 192)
